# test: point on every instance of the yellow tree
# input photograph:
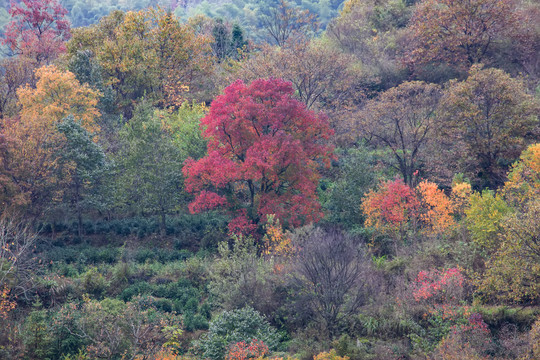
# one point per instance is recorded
(513, 272)
(523, 182)
(147, 54)
(33, 136)
(58, 94)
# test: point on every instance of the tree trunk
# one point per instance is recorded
(163, 224)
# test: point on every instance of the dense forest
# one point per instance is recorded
(250, 179)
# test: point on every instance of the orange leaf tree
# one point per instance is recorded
(34, 140)
(391, 207)
(437, 207)
(396, 207)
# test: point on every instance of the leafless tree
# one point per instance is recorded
(284, 22)
(17, 264)
(331, 275)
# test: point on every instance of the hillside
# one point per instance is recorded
(303, 180)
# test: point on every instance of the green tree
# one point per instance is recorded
(83, 162)
(356, 173)
(238, 41)
(513, 272)
(36, 334)
(485, 218)
(149, 165)
(222, 40)
(184, 126)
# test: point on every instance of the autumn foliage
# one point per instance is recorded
(6, 303)
(241, 351)
(523, 181)
(263, 153)
(33, 140)
(456, 32)
(438, 208)
(438, 286)
(146, 53)
(38, 29)
(488, 117)
(393, 204)
(226, 180)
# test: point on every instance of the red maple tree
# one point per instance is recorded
(263, 153)
(393, 204)
(38, 29)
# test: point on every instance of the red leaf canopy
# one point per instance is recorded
(263, 153)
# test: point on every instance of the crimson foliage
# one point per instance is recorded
(263, 153)
(38, 29)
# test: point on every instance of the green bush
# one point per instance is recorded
(117, 330)
(164, 305)
(144, 255)
(194, 322)
(234, 326)
(138, 288)
(180, 290)
(161, 255)
(94, 283)
(206, 310)
(167, 255)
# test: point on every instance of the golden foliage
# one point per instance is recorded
(147, 52)
(330, 355)
(437, 207)
(33, 138)
(6, 304)
(58, 94)
(524, 179)
(513, 272)
(275, 241)
(461, 196)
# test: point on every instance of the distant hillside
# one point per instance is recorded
(87, 12)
